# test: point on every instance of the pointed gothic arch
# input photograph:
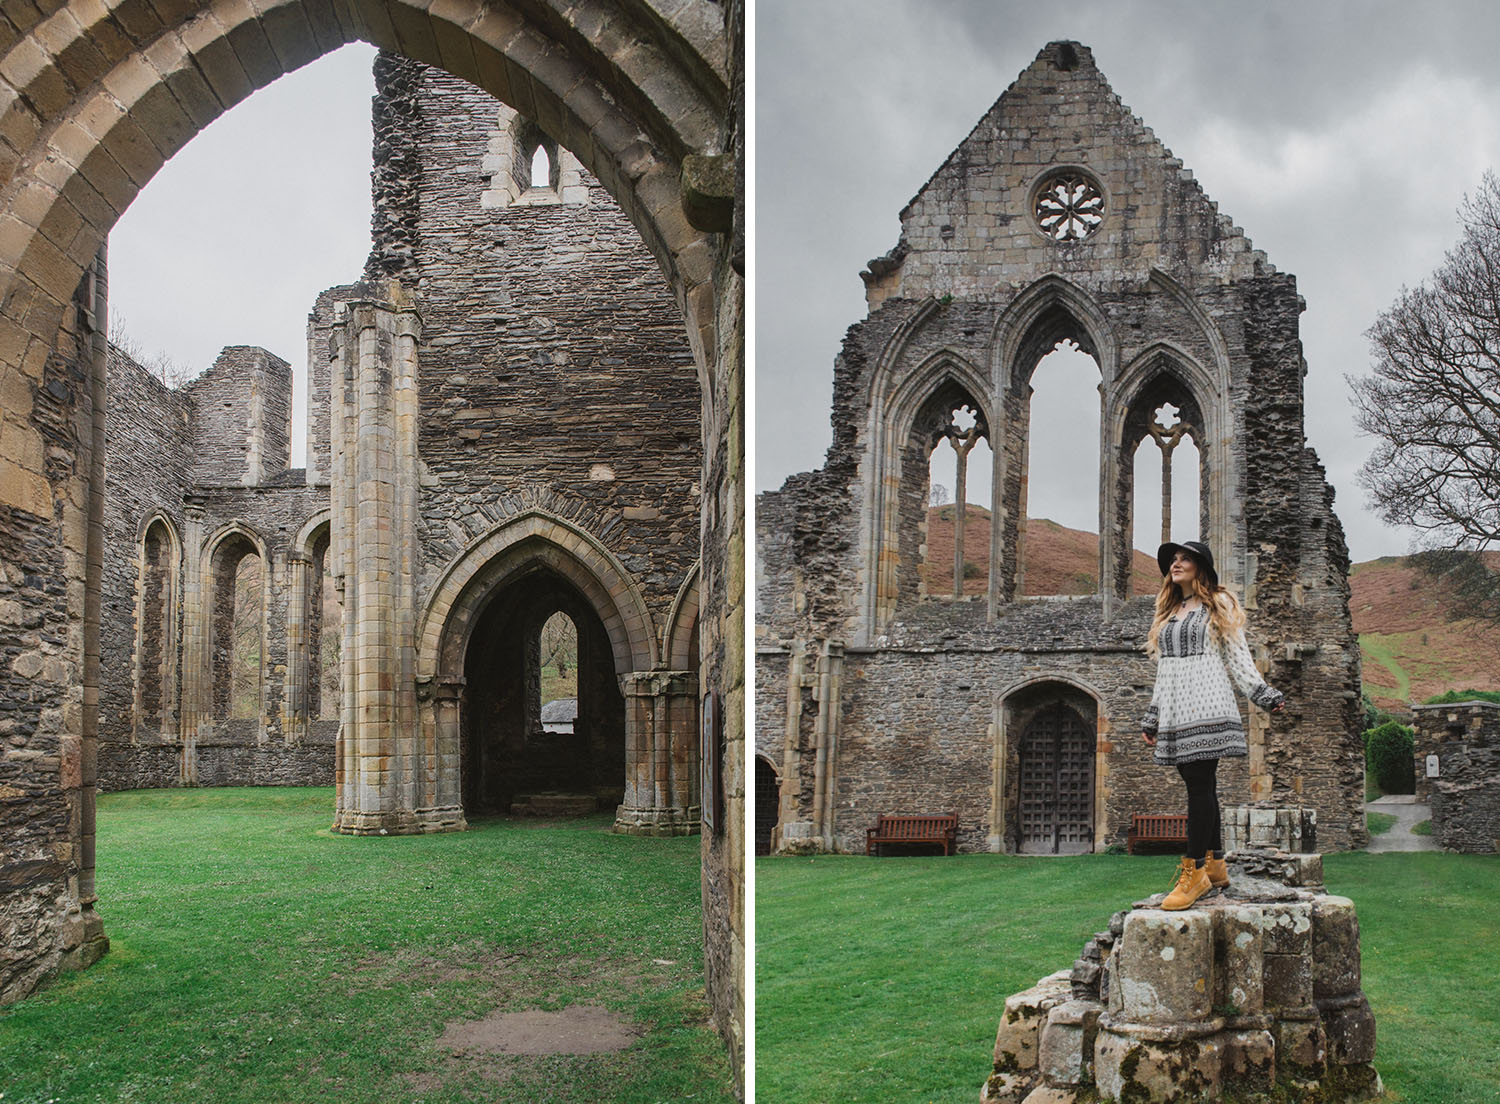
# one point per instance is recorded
(900, 398)
(156, 691)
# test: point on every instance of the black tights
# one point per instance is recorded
(1204, 831)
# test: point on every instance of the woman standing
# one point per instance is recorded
(1198, 639)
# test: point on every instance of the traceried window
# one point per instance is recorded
(956, 562)
(1068, 205)
(1166, 473)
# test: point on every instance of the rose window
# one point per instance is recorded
(1069, 206)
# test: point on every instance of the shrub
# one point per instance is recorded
(1388, 757)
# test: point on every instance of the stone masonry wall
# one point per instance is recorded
(1465, 795)
(154, 440)
(47, 917)
(148, 469)
(1167, 293)
(243, 417)
(554, 370)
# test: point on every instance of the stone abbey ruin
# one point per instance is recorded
(895, 680)
(528, 405)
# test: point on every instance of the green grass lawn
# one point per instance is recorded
(1422, 828)
(883, 981)
(1380, 823)
(258, 957)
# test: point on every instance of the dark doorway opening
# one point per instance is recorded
(514, 760)
(767, 805)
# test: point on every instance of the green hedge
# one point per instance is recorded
(1453, 697)
(1388, 757)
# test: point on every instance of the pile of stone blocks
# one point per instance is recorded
(1253, 994)
(1263, 825)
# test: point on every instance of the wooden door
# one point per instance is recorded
(1057, 783)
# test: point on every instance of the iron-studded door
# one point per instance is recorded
(1057, 783)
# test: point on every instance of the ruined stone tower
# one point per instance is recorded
(892, 681)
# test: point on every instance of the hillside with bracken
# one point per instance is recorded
(1058, 560)
(1414, 643)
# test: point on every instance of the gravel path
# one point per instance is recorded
(1408, 812)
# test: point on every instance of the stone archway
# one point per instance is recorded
(98, 98)
(1047, 769)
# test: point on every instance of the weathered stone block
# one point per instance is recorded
(1335, 947)
(1286, 929)
(1288, 982)
(1165, 966)
(1017, 1040)
(1066, 1048)
(1128, 1067)
(1238, 946)
(1300, 1048)
(1249, 1063)
(1349, 1032)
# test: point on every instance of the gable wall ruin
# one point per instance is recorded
(876, 696)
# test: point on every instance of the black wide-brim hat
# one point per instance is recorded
(1200, 552)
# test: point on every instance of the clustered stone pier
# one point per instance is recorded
(1253, 994)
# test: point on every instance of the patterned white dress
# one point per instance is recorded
(1193, 714)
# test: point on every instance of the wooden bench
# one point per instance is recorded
(913, 829)
(1154, 828)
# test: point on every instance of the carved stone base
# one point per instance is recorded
(657, 822)
(1250, 993)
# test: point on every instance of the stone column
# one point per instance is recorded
(79, 775)
(383, 783)
(197, 663)
(296, 708)
(661, 754)
(790, 795)
(828, 691)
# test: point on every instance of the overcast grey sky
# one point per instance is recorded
(235, 237)
(1341, 136)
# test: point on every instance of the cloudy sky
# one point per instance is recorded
(1341, 136)
(237, 234)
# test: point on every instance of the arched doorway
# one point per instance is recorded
(767, 804)
(515, 758)
(1048, 756)
(1057, 783)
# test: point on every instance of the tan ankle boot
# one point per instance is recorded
(1218, 872)
(1192, 883)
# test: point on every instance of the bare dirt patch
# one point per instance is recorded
(577, 1029)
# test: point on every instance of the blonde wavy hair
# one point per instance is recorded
(1225, 614)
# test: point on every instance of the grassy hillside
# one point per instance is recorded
(1414, 643)
(1059, 560)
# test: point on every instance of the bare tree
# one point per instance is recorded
(1433, 403)
(159, 363)
(939, 495)
(559, 643)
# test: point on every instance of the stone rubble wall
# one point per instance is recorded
(242, 422)
(1252, 994)
(1465, 796)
